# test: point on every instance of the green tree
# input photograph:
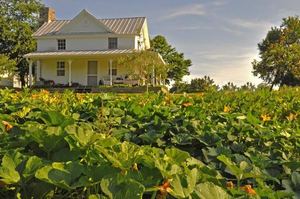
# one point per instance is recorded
(180, 87)
(179, 66)
(202, 84)
(143, 64)
(197, 85)
(279, 52)
(7, 66)
(18, 20)
(229, 87)
(248, 87)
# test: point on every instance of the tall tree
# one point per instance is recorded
(247, 87)
(144, 64)
(230, 86)
(279, 52)
(18, 20)
(179, 66)
(202, 84)
(7, 66)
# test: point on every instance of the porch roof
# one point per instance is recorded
(50, 54)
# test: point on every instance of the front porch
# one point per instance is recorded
(81, 68)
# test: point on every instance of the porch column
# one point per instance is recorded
(38, 70)
(153, 76)
(30, 72)
(110, 72)
(160, 79)
(70, 72)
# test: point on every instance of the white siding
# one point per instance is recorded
(87, 44)
(126, 43)
(92, 43)
(47, 45)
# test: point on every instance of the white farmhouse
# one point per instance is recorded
(82, 51)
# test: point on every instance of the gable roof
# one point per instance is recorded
(84, 22)
(131, 25)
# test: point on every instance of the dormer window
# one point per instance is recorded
(61, 44)
(113, 43)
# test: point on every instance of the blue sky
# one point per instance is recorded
(219, 36)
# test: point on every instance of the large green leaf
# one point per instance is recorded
(184, 186)
(82, 134)
(127, 188)
(177, 155)
(210, 191)
(31, 166)
(65, 175)
(53, 118)
(8, 172)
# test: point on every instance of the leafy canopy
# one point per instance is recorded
(197, 85)
(179, 66)
(143, 63)
(18, 19)
(279, 52)
(7, 66)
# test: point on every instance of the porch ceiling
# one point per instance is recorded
(51, 54)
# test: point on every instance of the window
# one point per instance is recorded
(61, 44)
(112, 43)
(60, 68)
(113, 70)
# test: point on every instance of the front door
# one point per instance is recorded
(92, 72)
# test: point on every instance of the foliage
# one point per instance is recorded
(180, 87)
(229, 87)
(7, 67)
(280, 55)
(248, 87)
(204, 84)
(144, 64)
(179, 66)
(18, 19)
(212, 145)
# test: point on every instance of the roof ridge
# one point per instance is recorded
(122, 18)
(101, 18)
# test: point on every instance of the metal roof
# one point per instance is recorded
(132, 25)
(76, 53)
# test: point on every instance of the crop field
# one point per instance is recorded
(215, 145)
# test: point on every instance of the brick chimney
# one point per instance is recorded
(46, 15)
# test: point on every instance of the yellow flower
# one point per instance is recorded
(229, 185)
(34, 96)
(168, 99)
(187, 104)
(7, 126)
(201, 94)
(265, 117)
(248, 189)
(44, 92)
(227, 109)
(134, 167)
(165, 188)
(291, 117)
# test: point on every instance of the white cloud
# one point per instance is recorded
(192, 9)
(250, 24)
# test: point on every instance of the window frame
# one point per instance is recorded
(113, 43)
(61, 44)
(61, 69)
